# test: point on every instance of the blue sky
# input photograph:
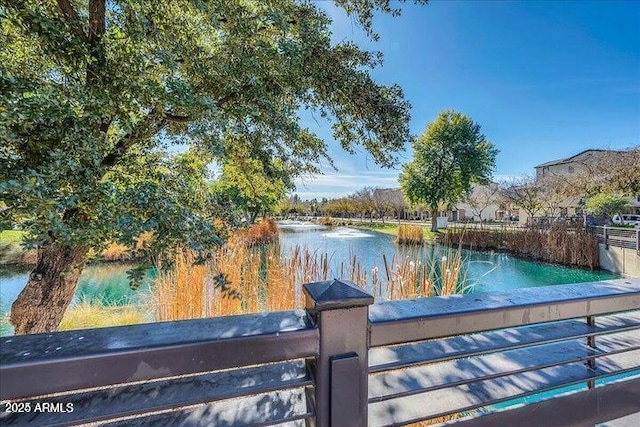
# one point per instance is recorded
(544, 79)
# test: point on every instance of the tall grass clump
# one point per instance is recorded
(241, 279)
(409, 234)
(85, 315)
(558, 244)
(407, 276)
(180, 292)
(263, 233)
(326, 220)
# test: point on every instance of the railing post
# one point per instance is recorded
(591, 342)
(605, 237)
(340, 309)
(638, 241)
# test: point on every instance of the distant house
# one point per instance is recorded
(482, 204)
(572, 165)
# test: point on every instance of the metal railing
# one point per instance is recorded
(251, 367)
(344, 362)
(620, 237)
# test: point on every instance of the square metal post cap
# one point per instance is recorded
(336, 293)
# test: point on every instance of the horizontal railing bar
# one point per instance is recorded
(383, 359)
(426, 318)
(89, 342)
(521, 396)
(468, 371)
(262, 410)
(491, 392)
(588, 407)
(124, 366)
(156, 396)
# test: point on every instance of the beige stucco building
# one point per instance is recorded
(578, 163)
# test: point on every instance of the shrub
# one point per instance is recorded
(263, 233)
(409, 234)
(326, 220)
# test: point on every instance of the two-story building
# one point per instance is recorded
(582, 162)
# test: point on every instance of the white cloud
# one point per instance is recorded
(337, 185)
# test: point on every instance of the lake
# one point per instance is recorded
(486, 271)
(107, 284)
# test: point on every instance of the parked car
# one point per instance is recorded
(626, 219)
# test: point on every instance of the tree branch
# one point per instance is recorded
(97, 11)
(220, 102)
(72, 18)
(175, 118)
(150, 126)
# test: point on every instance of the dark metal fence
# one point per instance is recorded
(620, 237)
(344, 362)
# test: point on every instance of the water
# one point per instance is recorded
(105, 284)
(486, 271)
(108, 284)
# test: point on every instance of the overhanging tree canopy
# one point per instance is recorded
(94, 92)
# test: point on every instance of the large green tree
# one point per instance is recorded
(248, 188)
(94, 92)
(448, 158)
(607, 204)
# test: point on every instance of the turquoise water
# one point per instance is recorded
(107, 284)
(486, 271)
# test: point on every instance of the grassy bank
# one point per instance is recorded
(87, 315)
(13, 253)
(392, 229)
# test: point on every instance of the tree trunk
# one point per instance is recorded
(434, 220)
(50, 288)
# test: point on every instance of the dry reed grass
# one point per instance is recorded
(326, 220)
(561, 245)
(86, 315)
(179, 292)
(263, 233)
(409, 234)
(115, 252)
(241, 279)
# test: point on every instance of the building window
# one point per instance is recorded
(571, 170)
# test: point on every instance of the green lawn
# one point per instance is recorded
(11, 252)
(392, 229)
(11, 236)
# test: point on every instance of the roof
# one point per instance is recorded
(572, 158)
